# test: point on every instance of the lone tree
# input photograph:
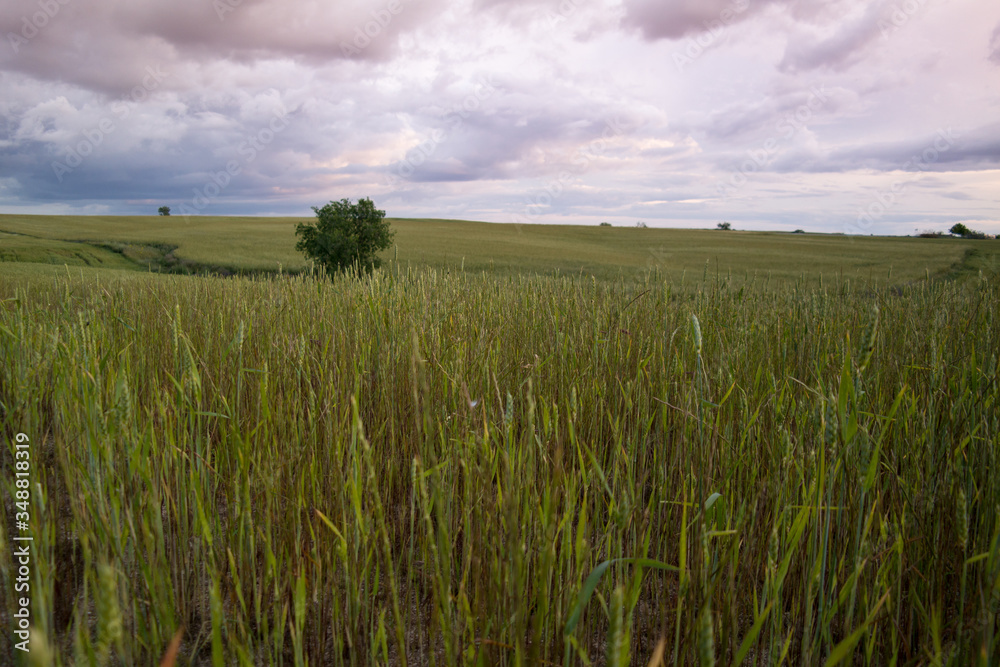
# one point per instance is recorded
(164, 210)
(345, 236)
(724, 226)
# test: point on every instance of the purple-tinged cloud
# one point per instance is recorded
(105, 46)
(656, 19)
(945, 150)
(572, 110)
(811, 49)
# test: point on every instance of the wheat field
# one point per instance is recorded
(458, 468)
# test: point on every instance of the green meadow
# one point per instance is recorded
(511, 445)
(268, 245)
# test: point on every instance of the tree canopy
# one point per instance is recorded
(346, 236)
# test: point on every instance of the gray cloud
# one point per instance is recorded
(778, 113)
(947, 149)
(656, 19)
(808, 49)
(105, 46)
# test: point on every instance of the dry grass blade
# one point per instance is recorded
(656, 659)
(170, 657)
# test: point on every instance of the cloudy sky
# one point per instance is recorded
(827, 115)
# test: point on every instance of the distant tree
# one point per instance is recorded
(640, 224)
(798, 231)
(164, 210)
(605, 224)
(724, 226)
(961, 230)
(345, 236)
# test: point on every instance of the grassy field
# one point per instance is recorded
(17, 249)
(443, 467)
(264, 244)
